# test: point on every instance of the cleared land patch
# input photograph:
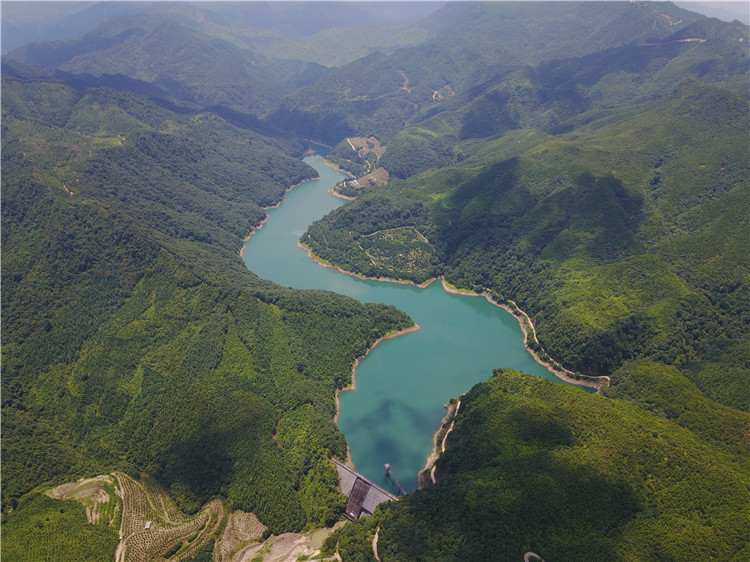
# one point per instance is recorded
(151, 526)
(399, 249)
(363, 146)
(369, 152)
(241, 530)
(350, 189)
(97, 495)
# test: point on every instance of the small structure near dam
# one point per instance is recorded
(363, 496)
(393, 478)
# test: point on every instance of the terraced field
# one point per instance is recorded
(154, 528)
(98, 495)
(151, 527)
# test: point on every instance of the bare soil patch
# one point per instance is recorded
(379, 176)
(363, 146)
(242, 529)
(90, 492)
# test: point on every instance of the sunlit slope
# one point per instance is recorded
(133, 336)
(545, 96)
(623, 237)
(536, 466)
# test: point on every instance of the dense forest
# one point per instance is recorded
(587, 161)
(133, 336)
(609, 248)
(537, 466)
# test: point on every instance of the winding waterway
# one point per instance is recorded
(404, 383)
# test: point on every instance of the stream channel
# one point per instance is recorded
(403, 384)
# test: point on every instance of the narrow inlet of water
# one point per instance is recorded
(403, 384)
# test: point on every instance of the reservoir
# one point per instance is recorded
(403, 384)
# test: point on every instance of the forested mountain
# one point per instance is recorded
(587, 161)
(535, 466)
(133, 336)
(616, 249)
(469, 45)
(155, 47)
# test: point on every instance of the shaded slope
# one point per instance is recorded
(620, 238)
(532, 465)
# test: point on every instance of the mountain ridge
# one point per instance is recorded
(587, 161)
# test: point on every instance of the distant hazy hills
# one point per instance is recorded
(474, 47)
(185, 63)
(24, 23)
(240, 56)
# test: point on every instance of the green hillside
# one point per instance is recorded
(133, 336)
(622, 238)
(547, 96)
(586, 162)
(48, 529)
(537, 466)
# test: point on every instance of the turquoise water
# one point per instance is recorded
(403, 384)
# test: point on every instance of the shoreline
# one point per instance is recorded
(247, 238)
(335, 167)
(353, 384)
(255, 229)
(564, 375)
(422, 481)
(521, 317)
(332, 191)
(340, 196)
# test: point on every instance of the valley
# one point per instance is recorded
(458, 340)
(217, 217)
